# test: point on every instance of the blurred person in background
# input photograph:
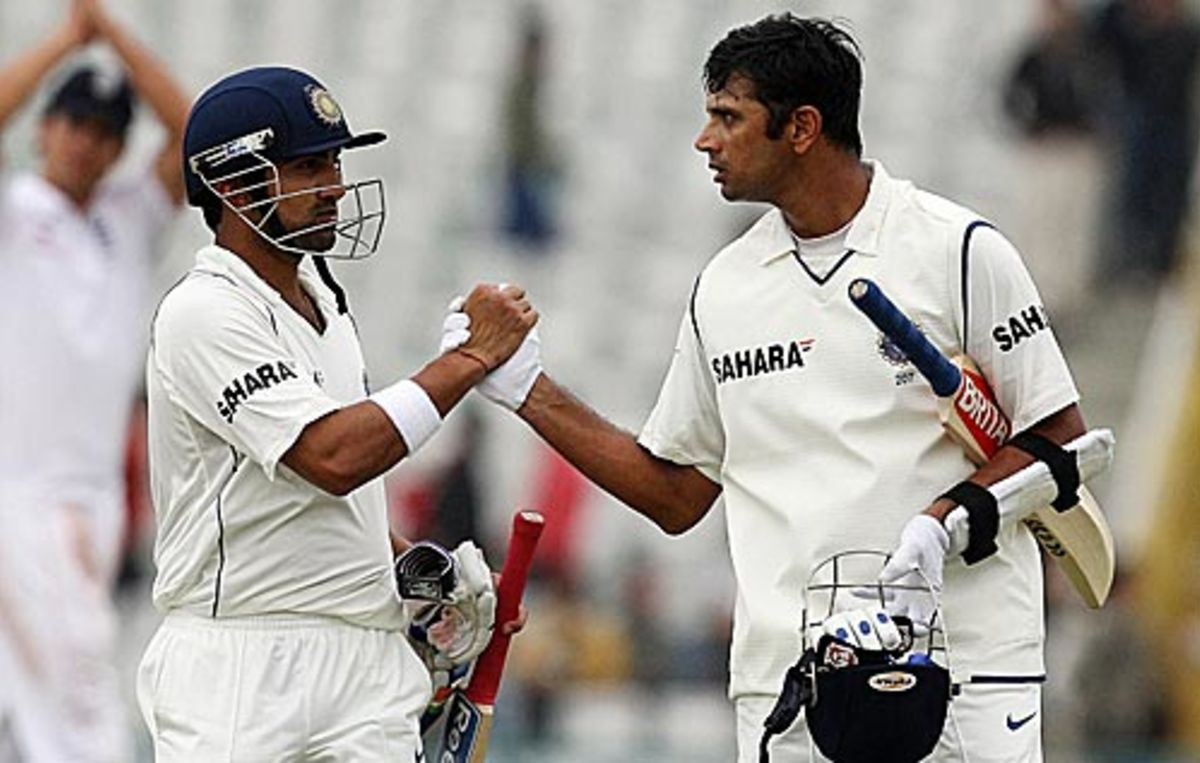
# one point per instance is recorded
(1123, 691)
(1050, 97)
(531, 170)
(785, 399)
(1151, 50)
(77, 246)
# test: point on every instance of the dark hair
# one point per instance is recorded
(89, 94)
(794, 62)
(211, 206)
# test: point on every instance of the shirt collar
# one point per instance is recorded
(217, 259)
(865, 229)
(43, 195)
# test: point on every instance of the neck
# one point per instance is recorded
(281, 270)
(827, 194)
(79, 196)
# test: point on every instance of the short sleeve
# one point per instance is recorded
(219, 359)
(1008, 332)
(685, 425)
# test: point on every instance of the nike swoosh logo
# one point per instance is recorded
(1014, 725)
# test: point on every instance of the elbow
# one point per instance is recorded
(674, 527)
(677, 518)
(339, 488)
(338, 479)
(327, 472)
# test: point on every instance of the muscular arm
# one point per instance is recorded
(674, 497)
(344, 450)
(153, 83)
(1060, 427)
(20, 77)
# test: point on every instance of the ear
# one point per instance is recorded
(227, 191)
(224, 188)
(803, 129)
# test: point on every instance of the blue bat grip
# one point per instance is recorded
(943, 375)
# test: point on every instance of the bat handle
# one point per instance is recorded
(485, 681)
(942, 374)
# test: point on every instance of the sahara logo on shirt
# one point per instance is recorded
(1019, 326)
(240, 389)
(761, 360)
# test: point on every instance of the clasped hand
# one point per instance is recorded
(470, 328)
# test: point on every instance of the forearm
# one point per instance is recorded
(20, 78)
(1060, 428)
(448, 378)
(150, 78)
(674, 497)
(345, 449)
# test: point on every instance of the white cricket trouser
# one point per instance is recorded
(60, 694)
(993, 723)
(281, 688)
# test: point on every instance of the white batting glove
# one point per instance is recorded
(912, 578)
(510, 382)
(456, 328)
(455, 631)
(868, 628)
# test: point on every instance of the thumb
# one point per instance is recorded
(897, 567)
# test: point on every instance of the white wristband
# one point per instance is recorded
(410, 409)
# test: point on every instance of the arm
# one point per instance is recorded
(343, 450)
(674, 497)
(1060, 427)
(20, 77)
(153, 83)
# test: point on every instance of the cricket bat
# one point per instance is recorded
(1079, 539)
(469, 715)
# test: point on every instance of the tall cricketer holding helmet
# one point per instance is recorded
(821, 437)
(284, 637)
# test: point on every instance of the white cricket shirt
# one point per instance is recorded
(825, 439)
(73, 334)
(234, 375)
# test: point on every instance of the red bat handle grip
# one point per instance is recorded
(485, 681)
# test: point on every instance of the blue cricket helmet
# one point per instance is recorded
(278, 112)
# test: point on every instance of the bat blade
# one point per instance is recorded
(469, 715)
(1078, 539)
(465, 735)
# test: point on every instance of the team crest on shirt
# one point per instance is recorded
(889, 351)
(239, 390)
(765, 359)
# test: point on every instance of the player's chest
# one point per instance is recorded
(780, 343)
(332, 359)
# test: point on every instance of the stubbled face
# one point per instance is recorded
(747, 164)
(320, 207)
(77, 153)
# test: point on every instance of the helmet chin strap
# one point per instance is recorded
(338, 292)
